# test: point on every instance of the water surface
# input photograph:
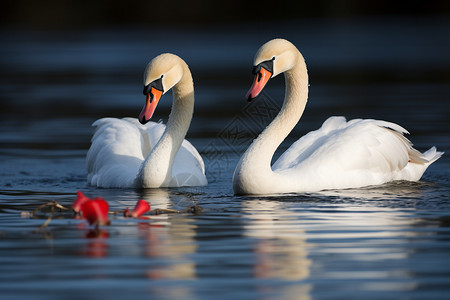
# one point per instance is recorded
(384, 242)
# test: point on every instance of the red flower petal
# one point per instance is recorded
(81, 199)
(141, 208)
(96, 211)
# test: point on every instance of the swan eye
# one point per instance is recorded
(162, 76)
(273, 58)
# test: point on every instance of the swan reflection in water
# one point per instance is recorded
(281, 249)
(169, 239)
(360, 228)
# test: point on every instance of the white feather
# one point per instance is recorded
(120, 146)
(338, 155)
(125, 153)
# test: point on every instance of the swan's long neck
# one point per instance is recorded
(254, 169)
(156, 171)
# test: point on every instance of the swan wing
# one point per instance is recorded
(366, 151)
(188, 168)
(150, 134)
(308, 143)
(118, 148)
(116, 153)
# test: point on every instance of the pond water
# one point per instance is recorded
(384, 242)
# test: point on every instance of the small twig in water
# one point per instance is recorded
(191, 209)
(53, 205)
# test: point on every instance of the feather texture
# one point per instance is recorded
(120, 146)
(341, 154)
(125, 153)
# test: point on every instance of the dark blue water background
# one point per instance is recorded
(384, 242)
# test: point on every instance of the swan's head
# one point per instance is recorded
(274, 57)
(161, 74)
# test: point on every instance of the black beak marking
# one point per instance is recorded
(156, 84)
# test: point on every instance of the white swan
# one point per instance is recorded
(338, 155)
(127, 154)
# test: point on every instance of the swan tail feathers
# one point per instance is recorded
(426, 158)
(431, 155)
(416, 157)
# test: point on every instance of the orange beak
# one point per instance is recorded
(150, 105)
(261, 78)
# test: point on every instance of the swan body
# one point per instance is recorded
(132, 153)
(341, 154)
